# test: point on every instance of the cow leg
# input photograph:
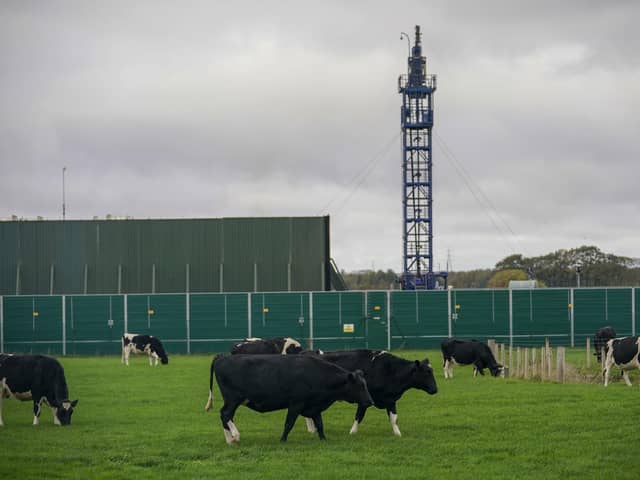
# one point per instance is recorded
(311, 426)
(625, 375)
(126, 352)
(448, 373)
(56, 420)
(319, 426)
(393, 418)
(359, 417)
(36, 412)
(292, 415)
(150, 360)
(231, 433)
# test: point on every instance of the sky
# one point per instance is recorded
(210, 109)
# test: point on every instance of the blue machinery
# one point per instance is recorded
(416, 117)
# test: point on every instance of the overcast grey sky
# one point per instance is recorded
(290, 108)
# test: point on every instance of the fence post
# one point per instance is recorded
(517, 361)
(491, 343)
(572, 318)
(511, 358)
(534, 363)
(549, 358)
(188, 320)
(502, 354)
(511, 318)
(588, 352)
(449, 312)
(543, 363)
(310, 320)
(64, 326)
(560, 364)
(126, 314)
(526, 363)
(389, 319)
(249, 335)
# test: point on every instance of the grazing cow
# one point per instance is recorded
(466, 352)
(133, 343)
(261, 346)
(304, 384)
(37, 378)
(602, 336)
(387, 376)
(623, 353)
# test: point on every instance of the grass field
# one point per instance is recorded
(149, 423)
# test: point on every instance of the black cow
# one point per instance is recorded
(37, 378)
(304, 384)
(387, 376)
(602, 336)
(466, 352)
(261, 346)
(134, 343)
(623, 353)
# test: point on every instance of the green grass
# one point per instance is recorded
(149, 423)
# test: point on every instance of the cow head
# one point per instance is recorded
(356, 389)
(422, 376)
(65, 410)
(497, 370)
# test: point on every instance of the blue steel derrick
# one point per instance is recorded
(416, 118)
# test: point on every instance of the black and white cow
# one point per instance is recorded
(469, 352)
(602, 336)
(303, 384)
(261, 346)
(37, 378)
(134, 343)
(623, 353)
(387, 376)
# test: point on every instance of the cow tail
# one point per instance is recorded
(209, 404)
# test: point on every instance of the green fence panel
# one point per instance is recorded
(280, 315)
(598, 307)
(376, 327)
(217, 321)
(33, 324)
(338, 320)
(94, 324)
(480, 314)
(163, 316)
(541, 314)
(419, 319)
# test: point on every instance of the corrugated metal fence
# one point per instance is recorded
(211, 322)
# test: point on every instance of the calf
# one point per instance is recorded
(133, 343)
(303, 384)
(37, 378)
(387, 376)
(466, 352)
(623, 353)
(602, 336)
(260, 346)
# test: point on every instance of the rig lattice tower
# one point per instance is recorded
(417, 89)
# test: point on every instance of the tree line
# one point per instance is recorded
(586, 266)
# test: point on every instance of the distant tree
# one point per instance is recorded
(502, 278)
(470, 279)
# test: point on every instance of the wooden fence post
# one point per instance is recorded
(526, 363)
(560, 364)
(543, 366)
(534, 361)
(518, 370)
(588, 352)
(549, 359)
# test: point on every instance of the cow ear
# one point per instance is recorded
(74, 403)
(416, 365)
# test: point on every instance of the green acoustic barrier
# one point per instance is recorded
(281, 315)
(480, 314)
(599, 307)
(541, 314)
(94, 324)
(217, 321)
(33, 324)
(418, 319)
(164, 316)
(338, 320)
